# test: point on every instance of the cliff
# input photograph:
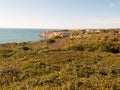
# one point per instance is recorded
(76, 33)
(51, 34)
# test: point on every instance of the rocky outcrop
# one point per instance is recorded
(76, 33)
(51, 34)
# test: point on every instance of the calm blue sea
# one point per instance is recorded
(19, 35)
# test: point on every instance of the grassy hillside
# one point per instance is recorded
(86, 62)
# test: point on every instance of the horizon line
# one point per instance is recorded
(57, 28)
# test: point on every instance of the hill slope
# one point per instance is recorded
(89, 61)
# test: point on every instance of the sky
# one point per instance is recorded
(59, 14)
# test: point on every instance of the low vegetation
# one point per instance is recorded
(88, 62)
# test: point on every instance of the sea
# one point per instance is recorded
(19, 35)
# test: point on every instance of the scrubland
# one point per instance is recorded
(86, 62)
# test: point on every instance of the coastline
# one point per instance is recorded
(49, 33)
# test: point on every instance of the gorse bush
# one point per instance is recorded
(76, 47)
(25, 48)
(86, 72)
(6, 53)
(9, 75)
(49, 41)
(110, 47)
(101, 46)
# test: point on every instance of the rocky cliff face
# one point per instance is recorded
(51, 34)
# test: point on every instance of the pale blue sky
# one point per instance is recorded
(59, 13)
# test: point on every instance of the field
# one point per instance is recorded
(87, 62)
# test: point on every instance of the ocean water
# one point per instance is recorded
(19, 35)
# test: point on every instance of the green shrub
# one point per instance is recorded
(6, 51)
(103, 72)
(9, 75)
(110, 47)
(49, 41)
(115, 48)
(86, 72)
(116, 87)
(115, 71)
(76, 48)
(91, 47)
(25, 48)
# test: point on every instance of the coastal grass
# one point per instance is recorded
(88, 62)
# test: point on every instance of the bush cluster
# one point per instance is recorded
(102, 46)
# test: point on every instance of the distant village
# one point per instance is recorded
(109, 31)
